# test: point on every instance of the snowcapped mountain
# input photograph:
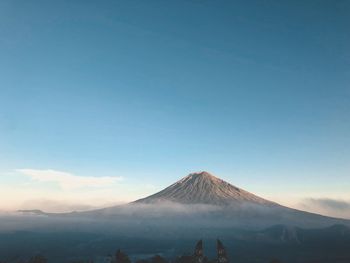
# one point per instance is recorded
(203, 200)
(202, 197)
(204, 188)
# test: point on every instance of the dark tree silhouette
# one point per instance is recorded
(198, 252)
(221, 252)
(121, 257)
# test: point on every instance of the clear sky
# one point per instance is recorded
(107, 101)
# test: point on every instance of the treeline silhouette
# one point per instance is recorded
(121, 257)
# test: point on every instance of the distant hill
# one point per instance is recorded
(33, 211)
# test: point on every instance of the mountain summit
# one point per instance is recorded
(201, 199)
(204, 188)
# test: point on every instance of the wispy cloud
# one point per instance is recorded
(327, 206)
(68, 181)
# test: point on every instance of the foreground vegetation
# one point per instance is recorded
(121, 257)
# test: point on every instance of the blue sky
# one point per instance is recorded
(257, 93)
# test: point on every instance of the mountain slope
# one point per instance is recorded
(204, 188)
(203, 199)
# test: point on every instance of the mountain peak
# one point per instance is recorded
(203, 176)
(203, 188)
(201, 173)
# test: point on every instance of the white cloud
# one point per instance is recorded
(68, 181)
(326, 206)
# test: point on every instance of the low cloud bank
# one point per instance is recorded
(139, 219)
(327, 206)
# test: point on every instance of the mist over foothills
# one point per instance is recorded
(326, 206)
(197, 200)
(73, 199)
(200, 205)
